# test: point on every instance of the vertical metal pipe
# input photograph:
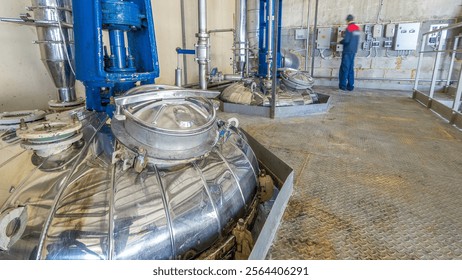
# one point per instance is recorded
(458, 92)
(178, 76)
(202, 16)
(240, 36)
(453, 58)
(183, 41)
(178, 72)
(275, 58)
(253, 31)
(313, 40)
(307, 51)
(419, 62)
(247, 59)
(202, 44)
(269, 35)
(118, 50)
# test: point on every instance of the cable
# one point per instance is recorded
(323, 56)
(66, 51)
(380, 10)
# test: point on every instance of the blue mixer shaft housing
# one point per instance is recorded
(130, 56)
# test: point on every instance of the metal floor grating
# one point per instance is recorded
(377, 177)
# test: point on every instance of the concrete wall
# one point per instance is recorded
(333, 14)
(24, 81)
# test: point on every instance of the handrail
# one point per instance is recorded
(454, 116)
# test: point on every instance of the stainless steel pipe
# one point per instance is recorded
(270, 37)
(202, 47)
(253, 31)
(307, 51)
(240, 37)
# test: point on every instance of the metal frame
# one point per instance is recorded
(133, 60)
(284, 175)
(280, 112)
(452, 114)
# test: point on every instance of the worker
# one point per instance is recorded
(350, 43)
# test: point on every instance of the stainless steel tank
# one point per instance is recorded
(164, 179)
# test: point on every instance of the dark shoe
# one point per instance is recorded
(350, 89)
(344, 89)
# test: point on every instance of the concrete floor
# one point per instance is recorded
(377, 177)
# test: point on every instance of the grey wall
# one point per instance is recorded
(397, 66)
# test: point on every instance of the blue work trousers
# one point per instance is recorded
(347, 72)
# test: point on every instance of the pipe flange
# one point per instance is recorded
(50, 138)
(13, 119)
(202, 35)
(13, 222)
(64, 106)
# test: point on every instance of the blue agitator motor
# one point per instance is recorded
(130, 57)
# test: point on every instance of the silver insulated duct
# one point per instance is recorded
(253, 30)
(166, 180)
(56, 41)
(240, 36)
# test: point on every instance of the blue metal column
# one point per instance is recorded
(133, 52)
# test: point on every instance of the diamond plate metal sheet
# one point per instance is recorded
(378, 177)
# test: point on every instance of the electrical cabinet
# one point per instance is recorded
(390, 30)
(324, 38)
(407, 35)
(434, 38)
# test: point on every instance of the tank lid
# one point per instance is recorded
(181, 116)
(169, 123)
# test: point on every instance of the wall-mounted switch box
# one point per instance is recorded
(390, 30)
(377, 31)
(340, 33)
(301, 34)
(366, 46)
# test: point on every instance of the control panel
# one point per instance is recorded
(407, 36)
(324, 38)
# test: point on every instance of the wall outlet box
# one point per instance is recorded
(377, 31)
(301, 34)
(390, 30)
